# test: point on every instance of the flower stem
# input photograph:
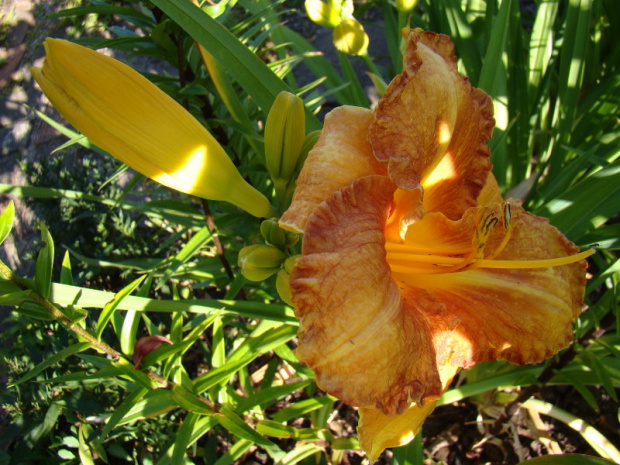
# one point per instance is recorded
(70, 325)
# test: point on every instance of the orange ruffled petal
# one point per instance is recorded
(355, 333)
(431, 126)
(341, 155)
(406, 278)
(500, 312)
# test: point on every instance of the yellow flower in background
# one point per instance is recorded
(349, 34)
(350, 37)
(413, 266)
(125, 114)
(328, 13)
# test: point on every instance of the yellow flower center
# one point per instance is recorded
(411, 258)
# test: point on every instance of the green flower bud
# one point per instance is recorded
(350, 37)
(272, 233)
(276, 236)
(309, 141)
(284, 278)
(290, 263)
(259, 261)
(285, 131)
(291, 238)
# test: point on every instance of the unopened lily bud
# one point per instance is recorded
(145, 346)
(350, 37)
(326, 14)
(290, 263)
(406, 6)
(259, 261)
(284, 134)
(276, 236)
(284, 277)
(284, 137)
(125, 114)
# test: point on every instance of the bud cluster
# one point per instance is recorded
(260, 261)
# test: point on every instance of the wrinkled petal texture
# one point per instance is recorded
(432, 126)
(341, 155)
(125, 114)
(499, 313)
(364, 346)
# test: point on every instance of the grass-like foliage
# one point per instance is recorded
(220, 382)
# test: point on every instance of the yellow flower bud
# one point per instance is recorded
(350, 37)
(406, 6)
(326, 14)
(259, 261)
(284, 137)
(125, 114)
(283, 279)
(290, 263)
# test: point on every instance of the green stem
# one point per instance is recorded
(370, 64)
(59, 316)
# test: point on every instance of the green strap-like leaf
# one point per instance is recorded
(6, 221)
(66, 352)
(44, 264)
(586, 205)
(111, 306)
(87, 298)
(192, 247)
(246, 68)
(233, 423)
(183, 437)
(123, 409)
(302, 407)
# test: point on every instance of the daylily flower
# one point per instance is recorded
(413, 265)
(125, 114)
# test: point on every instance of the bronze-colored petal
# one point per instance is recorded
(363, 343)
(341, 155)
(502, 311)
(490, 191)
(431, 127)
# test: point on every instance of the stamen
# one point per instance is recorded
(544, 263)
(507, 233)
(407, 263)
(479, 242)
(395, 247)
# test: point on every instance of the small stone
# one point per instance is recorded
(17, 137)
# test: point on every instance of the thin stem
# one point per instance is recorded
(219, 248)
(53, 310)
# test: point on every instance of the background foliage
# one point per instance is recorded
(143, 261)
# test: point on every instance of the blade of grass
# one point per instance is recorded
(244, 66)
(87, 298)
(110, 307)
(63, 354)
